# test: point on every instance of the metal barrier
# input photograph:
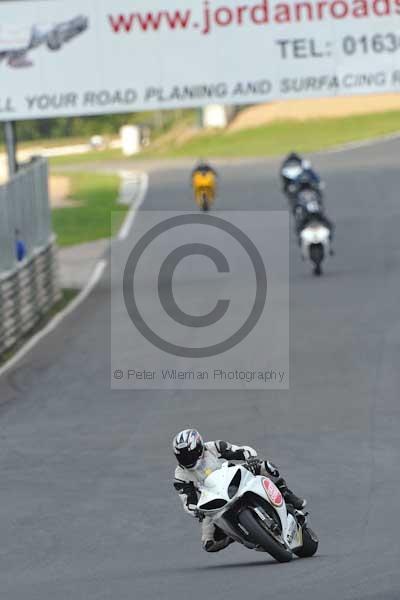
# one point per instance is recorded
(30, 287)
(24, 208)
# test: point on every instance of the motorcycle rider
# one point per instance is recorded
(306, 196)
(198, 459)
(203, 176)
(313, 211)
(203, 167)
(296, 172)
(308, 181)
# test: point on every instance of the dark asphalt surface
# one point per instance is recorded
(87, 510)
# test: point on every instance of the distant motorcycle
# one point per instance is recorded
(204, 189)
(315, 244)
(289, 174)
(306, 202)
(252, 511)
(297, 175)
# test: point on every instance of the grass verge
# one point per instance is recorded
(88, 217)
(88, 157)
(282, 137)
(268, 140)
(68, 294)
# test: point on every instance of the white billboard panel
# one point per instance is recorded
(101, 56)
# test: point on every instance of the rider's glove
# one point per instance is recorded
(253, 465)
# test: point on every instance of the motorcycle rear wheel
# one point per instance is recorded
(261, 537)
(317, 256)
(318, 270)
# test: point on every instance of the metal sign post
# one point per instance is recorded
(11, 145)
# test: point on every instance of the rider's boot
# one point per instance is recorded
(300, 516)
(290, 497)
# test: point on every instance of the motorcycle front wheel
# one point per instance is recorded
(258, 533)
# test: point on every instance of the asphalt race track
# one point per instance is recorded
(87, 509)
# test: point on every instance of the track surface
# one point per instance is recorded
(87, 510)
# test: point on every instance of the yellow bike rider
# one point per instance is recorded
(204, 183)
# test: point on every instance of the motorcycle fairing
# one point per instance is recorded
(216, 486)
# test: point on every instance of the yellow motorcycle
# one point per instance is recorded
(204, 188)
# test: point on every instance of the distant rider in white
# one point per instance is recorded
(198, 459)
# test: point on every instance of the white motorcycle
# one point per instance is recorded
(252, 511)
(315, 244)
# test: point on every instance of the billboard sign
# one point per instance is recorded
(95, 56)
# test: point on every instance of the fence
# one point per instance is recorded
(28, 287)
(24, 212)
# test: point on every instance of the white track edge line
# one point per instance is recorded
(58, 318)
(130, 217)
(91, 284)
(347, 146)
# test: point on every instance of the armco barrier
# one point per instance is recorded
(29, 288)
(26, 295)
(24, 212)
